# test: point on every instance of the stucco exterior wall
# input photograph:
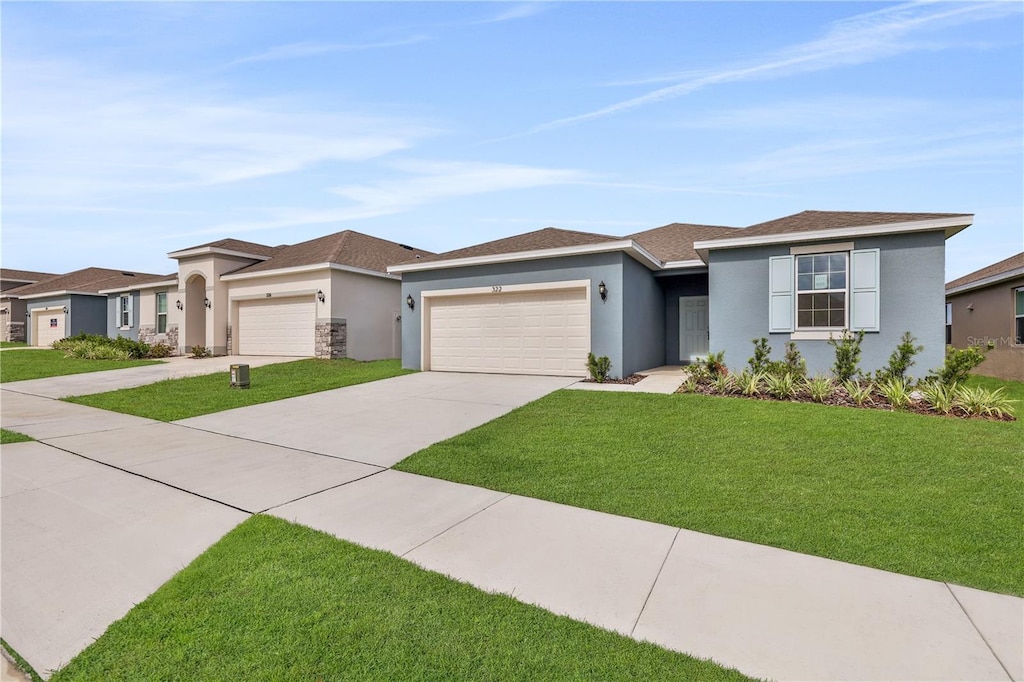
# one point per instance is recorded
(13, 323)
(643, 310)
(370, 307)
(673, 287)
(606, 317)
(990, 318)
(38, 304)
(304, 284)
(114, 328)
(911, 291)
(217, 316)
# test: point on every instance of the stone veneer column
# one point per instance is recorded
(331, 339)
(147, 334)
(13, 331)
(172, 338)
(227, 347)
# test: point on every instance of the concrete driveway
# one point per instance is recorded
(130, 377)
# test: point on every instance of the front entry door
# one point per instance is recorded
(693, 327)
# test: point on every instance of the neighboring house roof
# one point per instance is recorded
(538, 240)
(674, 242)
(24, 275)
(230, 246)
(993, 274)
(347, 248)
(812, 221)
(141, 282)
(86, 281)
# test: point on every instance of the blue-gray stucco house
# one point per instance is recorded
(539, 302)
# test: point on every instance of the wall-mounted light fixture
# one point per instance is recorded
(320, 295)
(207, 303)
(409, 301)
(4, 311)
(65, 309)
(179, 305)
(603, 290)
(970, 306)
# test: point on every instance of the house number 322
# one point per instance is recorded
(496, 290)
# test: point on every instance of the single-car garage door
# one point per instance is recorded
(49, 327)
(277, 326)
(532, 332)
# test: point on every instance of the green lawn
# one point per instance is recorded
(12, 344)
(13, 437)
(36, 364)
(192, 396)
(276, 601)
(927, 496)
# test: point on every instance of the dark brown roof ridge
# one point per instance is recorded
(1012, 263)
(89, 280)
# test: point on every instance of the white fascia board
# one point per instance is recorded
(208, 250)
(65, 292)
(684, 264)
(298, 269)
(950, 225)
(628, 245)
(988, 281)
(137, 287)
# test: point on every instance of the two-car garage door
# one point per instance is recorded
(519, 332)
(277, 326)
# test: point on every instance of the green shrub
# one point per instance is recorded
(795, 362)
(749, 383)
(820, 387)
(958, 364)
(782, 386)
(204, 352)
(860, 393)
(160, 350)
(897, 392)
(689, 384)
(981, 402)
(134, 349)
(901, 359)
(715, 364)
(847, 354)
(762, 355)
(941, 397)
(598, 367)
(725, 384)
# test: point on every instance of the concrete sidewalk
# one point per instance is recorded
(665, 379)
(110, 380)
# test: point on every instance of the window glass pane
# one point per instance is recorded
(837, 280)
(821, 263)
(803, 265)
(949, 313)
(805, 282)
(161, 303)
(803, 318)
(836, 318)
(1020, 331)
(820, 318)
(837, 301)
(1020, 301)
(820, 281)
(837, 261)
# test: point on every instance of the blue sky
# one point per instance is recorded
(131, 130)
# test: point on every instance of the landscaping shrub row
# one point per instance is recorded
(98, 347)
(889, 388)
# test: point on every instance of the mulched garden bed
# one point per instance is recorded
(630, 380)
(842, 399)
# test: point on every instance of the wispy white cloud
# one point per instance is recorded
(855, 40)
(312, 49)
(521, 11)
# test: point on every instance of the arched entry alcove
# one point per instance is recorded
(195, 311)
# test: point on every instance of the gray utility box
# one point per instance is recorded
(240, 376)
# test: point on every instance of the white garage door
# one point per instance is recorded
(536, 332)
(49, 327)
(277, 326)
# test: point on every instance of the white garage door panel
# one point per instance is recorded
(46, 334)
(537, 332)
(283, 326)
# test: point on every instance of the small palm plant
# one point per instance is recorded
(821, 387)
(859, 393)
(897, 392)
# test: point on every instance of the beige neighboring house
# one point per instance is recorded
(987, 307)
(329, 297)
(12, 308)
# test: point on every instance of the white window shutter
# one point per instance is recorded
(864, 290)
(131, 310)
(780, 294)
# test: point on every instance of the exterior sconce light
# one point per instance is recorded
(320, 295)
(409, 301)
(603, 290)
(65, 309)
(207, 303)
(179, 305)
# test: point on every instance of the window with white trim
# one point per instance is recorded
(161, 312)
(949, 323)
(1018, 315)
(124, 307)
(821, 291)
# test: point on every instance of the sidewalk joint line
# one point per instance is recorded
(656, 577)
(457, 523)
(302, 497)
(153, 480)
(980, 633)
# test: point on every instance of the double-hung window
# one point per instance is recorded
(124, 310)
(817, 290)
(1018, 316)
(949, 323)
(821, 291)
(161, 312)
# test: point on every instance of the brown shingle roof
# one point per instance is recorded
(675, 242)
(89, 280)
(1011, 263)
(547, 238)
(24, 275)
(348, 247)
(237, 245)
(807, 221)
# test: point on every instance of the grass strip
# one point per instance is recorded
(175, 399)
(42, 363)
(927, 496)
(7, 436)
(277, 601)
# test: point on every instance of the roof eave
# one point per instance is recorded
(986, 281)
(147, 285)
(305, 268)
(60, 292)
(629, 246)
(950, 226)
(214, 250)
